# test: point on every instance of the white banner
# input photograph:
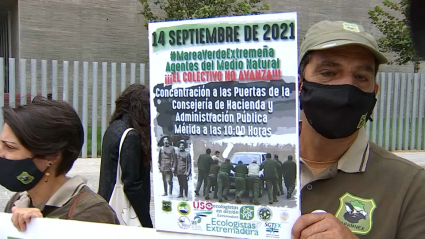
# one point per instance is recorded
(227, 84)
(45, 228)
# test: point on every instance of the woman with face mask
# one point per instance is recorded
(38, 146)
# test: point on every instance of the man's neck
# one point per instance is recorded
(315, 147)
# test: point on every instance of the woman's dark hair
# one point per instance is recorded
(48, 128)
(134, 102)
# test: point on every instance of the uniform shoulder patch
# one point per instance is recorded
(356, 213)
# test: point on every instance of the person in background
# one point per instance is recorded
(240, 173)
(279, 176)
(212, 179)
(166, 161)
(39, 144)
(223, 180)
(253, 181)
(216, 156)
(204, 164)
(132, 111)
(270, 175)
(183, 168)
(289, 174)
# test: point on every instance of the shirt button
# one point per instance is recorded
(309, 187)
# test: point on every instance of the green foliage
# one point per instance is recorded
(193, 9)
(396, 32)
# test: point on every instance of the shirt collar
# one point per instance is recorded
(59, 198)
(355, 159)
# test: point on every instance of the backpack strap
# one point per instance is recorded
(74, 204)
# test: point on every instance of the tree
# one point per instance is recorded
(193, 9)
(396, 32)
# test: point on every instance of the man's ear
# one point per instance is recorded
(376, 88)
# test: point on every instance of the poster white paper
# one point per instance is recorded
(229, 85)
(45, 228)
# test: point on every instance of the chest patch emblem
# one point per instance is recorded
(356, 213)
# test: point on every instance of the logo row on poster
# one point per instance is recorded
(228, 219)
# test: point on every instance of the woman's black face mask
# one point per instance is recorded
(336, 111)
(19, 175)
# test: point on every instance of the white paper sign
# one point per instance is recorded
(45, 228)
(229, 85)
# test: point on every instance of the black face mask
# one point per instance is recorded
(336, 111)
(19, 175)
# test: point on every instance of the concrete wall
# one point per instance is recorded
(15, 29)
(82, 30)
(90, 30)
(112, 30)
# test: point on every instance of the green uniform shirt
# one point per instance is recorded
(214, 169)
(241, 170)
(375, 193)
(279, 168)
(289, 170)
(270, 168)
(226, 167)
(204, 162)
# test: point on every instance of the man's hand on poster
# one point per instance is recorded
(320, 226)
(22, 216)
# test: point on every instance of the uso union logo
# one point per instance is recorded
(203, 205)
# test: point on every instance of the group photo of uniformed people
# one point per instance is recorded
(255, 178)
(175, 165)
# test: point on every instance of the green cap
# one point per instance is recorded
(326, 34)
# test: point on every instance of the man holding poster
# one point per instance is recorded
(230, 85)
(343, 173)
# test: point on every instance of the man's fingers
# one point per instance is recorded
(322, 235)
(15, 219)
(21, 222)
(305, 221)
(316, 229)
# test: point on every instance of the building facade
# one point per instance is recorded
(113, 31)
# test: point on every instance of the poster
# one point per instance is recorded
(227, 85)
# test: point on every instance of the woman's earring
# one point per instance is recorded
(47, 177)
(48, 174)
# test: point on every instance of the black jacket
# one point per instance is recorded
(135, 176)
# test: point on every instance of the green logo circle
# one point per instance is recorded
(183, 208)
